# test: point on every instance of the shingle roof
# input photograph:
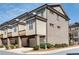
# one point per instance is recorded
(74, 25)
(29, 14)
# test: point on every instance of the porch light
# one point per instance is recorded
(17, 19)
(34, 13)
(9, 25)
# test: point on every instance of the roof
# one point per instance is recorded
(11, 22)
(26, 14)
(29, 14)
(37, 17)
(52, 9)
(56, 5)
(74, 25)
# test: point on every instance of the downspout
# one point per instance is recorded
(46, 31)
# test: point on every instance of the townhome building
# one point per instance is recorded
(74, 33)
(45, 24)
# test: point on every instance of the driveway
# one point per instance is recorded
(67, 52)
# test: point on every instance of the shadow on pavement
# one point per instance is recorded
(72, 53)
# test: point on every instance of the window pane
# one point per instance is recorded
(30, 22)
(14, 29)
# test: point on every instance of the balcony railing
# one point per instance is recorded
(1, 36)
(21, 33)
(9, 34)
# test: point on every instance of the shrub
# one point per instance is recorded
(57, 45)
(6, 46)
(64, 45)
(36, 47)
(71, 44)
(49, 45)
(60, 45)
(1, 46)
(42, 45)
(12, 46)
(17, 46)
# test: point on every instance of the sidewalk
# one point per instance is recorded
(51, 51)
(19, 50)
(27, 51)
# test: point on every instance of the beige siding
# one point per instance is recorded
(32, 31)
(15, 33)
(9, 30)
(21, 27)
(57, 35)
(41, 27)
(59, 9)
(32, 42)
(42, 13)
(5, 33)
(1, 32)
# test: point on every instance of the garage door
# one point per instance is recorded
(4, 41)
(32, 42)
(24, 42)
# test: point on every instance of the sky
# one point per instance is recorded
(9, 11)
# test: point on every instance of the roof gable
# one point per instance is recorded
(59, 9)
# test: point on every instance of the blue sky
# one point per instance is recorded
(9, 11)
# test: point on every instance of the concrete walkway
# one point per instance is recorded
(20, 50)
(3, 51)
(27, 51)
(52, 51)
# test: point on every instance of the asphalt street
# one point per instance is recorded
(67, 52)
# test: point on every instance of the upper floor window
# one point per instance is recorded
(5, 33)
(15, 29)
(76, 28)
(30, 23)
(75, 34)
(41, 12)
(51, 24)
(58, 27)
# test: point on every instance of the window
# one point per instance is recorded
(51, 24)
(76, 28)
(76, 34)
(40, 14)
(5, 33)
(15, 29)
(30, 22)
(58, 27)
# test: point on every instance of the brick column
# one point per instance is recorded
(0, 42)
(19, 42)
